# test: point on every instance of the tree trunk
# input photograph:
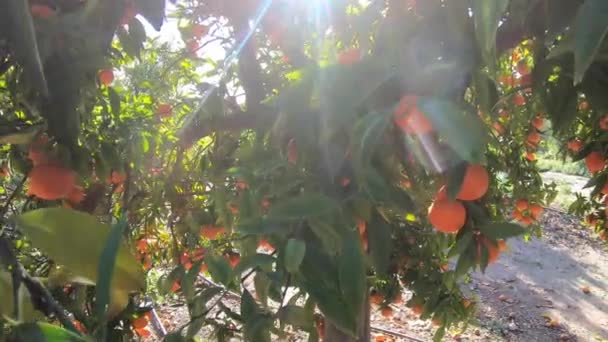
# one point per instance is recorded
(333, 334)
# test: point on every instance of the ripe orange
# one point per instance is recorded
(37, 156)
(417, 309)
(584, 105)
(526, 220)
(538, 123)
(387, 312)
(292, 152)
(362, 226)
(376, 298)
(51, 182)
(534, 137)
(436, 322)
(350, 56)
(575, 145)
(192, 46)
(502, 245)
(234, 259)
(164, 110)
(198, 30)
(116, 178)
(106, 77)
(212, 232)
(41, 11)
(475, 183)
(521, 204)
(523, 68)
(595, 162)
(143, 333)
(517, 216)
(519, 99)
(409, 118)
(140, 322)
(500, 129)
(265, 203)
(530, 156)
(605, 189)
(503, 114)
(175, 287)
(604, 123)
(536, 209)
(76, 195)
(466, 303)
(147, 263)
(398, 299)
(447, 216)
(79, 326)
(264, 244)
(493, 251)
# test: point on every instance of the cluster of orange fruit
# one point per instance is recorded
(48, 179)
(534, 137)
(526, 212)
(377, 299)
(449, 216)
(197, 32)
(140, 324)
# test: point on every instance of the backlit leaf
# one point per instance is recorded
(591, 25)
(294, 254)
(303, 206)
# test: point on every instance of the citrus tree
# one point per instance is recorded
(315, 157)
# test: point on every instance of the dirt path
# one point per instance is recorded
(533, 293)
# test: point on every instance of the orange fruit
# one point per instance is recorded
(475, 183)
(521, 204)
(129, 13)
(436, 322)
(234, 259)
(41, 11)
(198, 30)
(79, 326)
(417, 309)
(493, 251)
(536, 209)
(212, 232)
(140, 322)
(292, 152)
(534, 137)
(265, 203)
(76, 195)
(387, 312)
(362, 226)
(584, 105)
(502, 245)
(447, 216)
(376, 298)
(241, 184)
(192, 46)
(503, 114)
(538, 123)
(264, 244)
(175, 286)
(519, 99)
(595, 162)
(517, 216)
(164, 110)
(575, 145)
(500, 129)
(51, 182)
(350, 56)
(116, 178)
(344, 181)
(37, 156)
(365, 242)
(143, 333)
(530, 156)
(147, 263)
(604, 123)
(605, 189)
(466, 303)
(526, 220)
(106, 77)
(409, 118)
(523, 68)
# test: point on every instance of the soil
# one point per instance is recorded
(550, 289)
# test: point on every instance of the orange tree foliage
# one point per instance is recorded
(316, 153)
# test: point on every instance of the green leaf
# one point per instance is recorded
(41, 331)
(219, 268)
(455, 179)
(253, 261)
(486, 92)
(591, 25)
(487, 16)
(462, 243)
(303, 206)
(380, 243)
(296, 316)
(51, 229)
(466, 261)
(189, 280)
(106, 265)
(261, 283)
(22, 36)
(114, 100)
(330, 238)
(460, 129)
(197, 308)
(248, 306)
(27, 312)
(351, 272)
(367, 136)
(502, 230)
(174, 337)
(294, 254)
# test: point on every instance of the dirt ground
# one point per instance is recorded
(549, 289)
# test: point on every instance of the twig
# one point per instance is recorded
(12, 196)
